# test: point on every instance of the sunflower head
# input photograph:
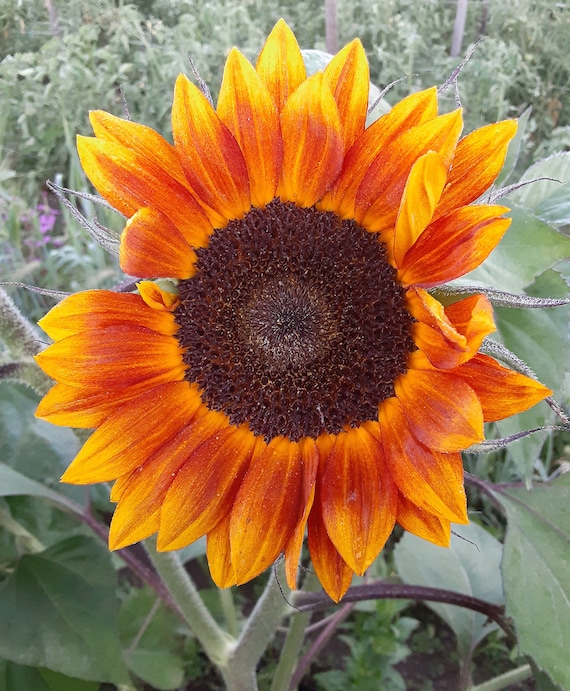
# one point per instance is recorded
(301, 378)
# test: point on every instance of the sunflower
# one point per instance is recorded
(297, 376)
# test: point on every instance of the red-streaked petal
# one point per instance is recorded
(478, 159)
(333, 572)
(120, 356)
(380, 192)
(205, 487)
(312, 143)
(280, 64)
(349, 79)
(431, 480)
(411, 111)
(133, 433)
(140, 138)
(210, 156)
(452, 335)
(310, 464)
(141, 500)
(454, 245)
(93, 310)
(153, 247)
(157, 298)
(218, 553)
(248, 111)
(442, 411)
(423, 523)
(359, 499)
(129, 181)
(421, 194)
(267, 508)
(500, 391)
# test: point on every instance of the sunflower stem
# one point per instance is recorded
(258, 631)
(229, 609)
(216, 643)
(293, 641)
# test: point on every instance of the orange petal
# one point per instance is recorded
(133, 433)
(267, 508)
(141, 139)
(452, 335)
(117, 357)
(501, 391)
(422, 523)
(431, 480)
(210, 156)
(141, 500)
(152, 246)
(349, 80)
(129, 181)
(421, 195)
(442, 411)
(333, 572)
(157, 298)
(454, 245)
(312, 143)
(219, 555)
(478, 159)
(359, 499)
(248, 111)
(310, 464)
(93, 310)
(380, 192)
(413, 110)
(280, 64)
(204, 488)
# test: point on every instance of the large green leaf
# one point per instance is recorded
(470, 566)
(554, 171)
(61, 610)
(536, 573)
(529, 247)
(149, 632)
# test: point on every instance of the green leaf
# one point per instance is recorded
(556, 167)
(149, 632)
(470, 566)
(528, 248)
(62, 611)
(536, 573)
(13, 483)
(19, 677)
(555, 209)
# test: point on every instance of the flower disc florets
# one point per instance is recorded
(294, 322)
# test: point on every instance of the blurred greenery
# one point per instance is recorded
(60, 59)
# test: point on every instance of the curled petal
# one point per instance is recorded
(133, 433)
(210, 156)
(205, 487)
(501, 391)
(442, 411)
(380, 192)
(280, 64)
(129, 181)
(478, 159)
(312, 143)
(310, 464)
(93, 310)
(333, 572)
(138, 513)
(247, 109)
(267, 508)
(423, 523)
(358, 498)
(433, 481)
(349, 80)
(411, 111)
(454, 245)
(421, 194)
(452, 335)
(152, 246)
(153, 296)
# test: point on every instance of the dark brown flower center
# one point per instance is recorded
(294, 322)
